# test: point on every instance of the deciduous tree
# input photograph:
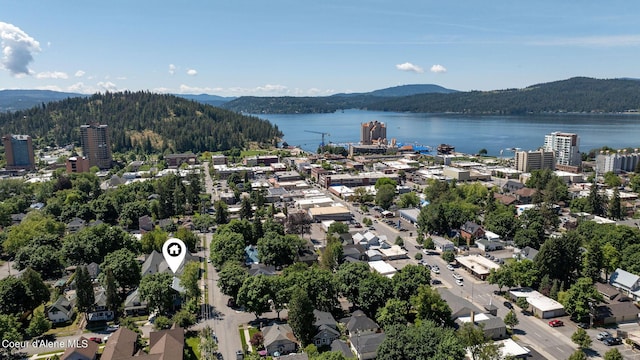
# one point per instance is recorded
(301, 317)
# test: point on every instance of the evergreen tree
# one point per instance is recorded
(38, 324)
(301, 317)
(245, 208)
(221, 212)
(84, 291)
(614, 210)
(111, 287)
(595, 201)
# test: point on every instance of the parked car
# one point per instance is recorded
(611, 341)
(508, 305)
(556, 323)
(435, 269)
(603, 335)
(96, 339)
(459, 282)
(436, 282)
(583, 325)
(450, 267)
(112, 328)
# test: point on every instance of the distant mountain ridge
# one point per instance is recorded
(575, 95)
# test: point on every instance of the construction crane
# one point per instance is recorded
(323, 135)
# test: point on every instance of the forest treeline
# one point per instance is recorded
(141, 121)
(580, 95)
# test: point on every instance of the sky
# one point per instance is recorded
(311, 48)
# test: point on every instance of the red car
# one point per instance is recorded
(96, 339)
(556, 323)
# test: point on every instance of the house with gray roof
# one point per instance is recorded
(155, 263)
(616, 313)
(279, 339)
(492, 326)
(342, 347)
(61, 310)
(365, 346)
(327, 328)
(81, 352)
(627, 282)
(134, 305)
(76, 224)
(460, 307)
(359, 323)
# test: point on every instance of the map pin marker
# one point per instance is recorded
(174, 251)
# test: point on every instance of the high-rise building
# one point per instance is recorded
(617, 162)
(95, 145)
(526, 161)
(565, 146)
(19, 152)
(373, 132)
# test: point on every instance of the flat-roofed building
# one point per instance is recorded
(373, 132)
(382, 268)
(565, 146)
(77, 164)
(96, 145)
(338, 213)
(457, 174)
(541, 306)
(478, 266)
(526, 161)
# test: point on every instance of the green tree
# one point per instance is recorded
(111, 288)
(153, 240)
(156, 290)
(301, 317)
(226, 246)
(522, 303)
(221, 212)
(448, 256)
(578, 355)
(385, 195)
(612, 180)
(189, 280)
(408, 280)
(614, 210)
(125, 268)
(38, 324)
(560, 257)
(595, 200)
(254, 295)
(394, 312)
(613, 354)
(231, 277)
(37, 291)
(331, 254)
(278, 250)
(84, 291)
(9, 329)
(610, 259)
(246, 212)
(188, 237)
(349, 276)
(477, 343)
(33, 225)
(430, 306)
(338, 227)
(162, 323)
(298, 223)
(13, 293)
(184, 318)
(581, 338)
(579, 297)
(593, 261)
(375, 290)
(425, 340)
(511, 319)
(385, 181)
(408, 200)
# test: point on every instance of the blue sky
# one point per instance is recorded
(297, 47)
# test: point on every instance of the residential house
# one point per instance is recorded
(134, 305)
(163, 345)
(525, 195)
(529, 253)
(505, 199)
(279, 338)
(155, 263)
(262, 269)
(367, 239)
(443, 244)
(342, 347)
(373, 255)
(251, 255)
(85, 349)
(100, 311)
(145, 224)
(359, 323)
(169, 344)
(608, 292)
(626, 282)
(353, 252)
(94, 270)
(460, 307)
(365, 346)
(76, 224)
(512, 186)
(61, 310)
(327, 328)
(492, 326)
(471, 231)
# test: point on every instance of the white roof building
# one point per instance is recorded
(383, 268)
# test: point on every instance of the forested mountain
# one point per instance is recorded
(141, 120)
(326, 104)
(12, 100)
(573, 95)
(207, 99)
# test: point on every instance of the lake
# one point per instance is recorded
(468, 133)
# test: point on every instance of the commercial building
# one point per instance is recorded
(565, 146)
(617, 162)
(477, 265)
(77, 164)
(373, 132)
(18, 151)
(541, 306)
(96, 145)
(526, 161)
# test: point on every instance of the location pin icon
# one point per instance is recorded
(174, 251)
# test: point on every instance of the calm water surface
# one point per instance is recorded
(467, 133)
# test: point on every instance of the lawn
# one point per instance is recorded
(192, 351)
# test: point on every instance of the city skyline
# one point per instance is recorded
(290, 48)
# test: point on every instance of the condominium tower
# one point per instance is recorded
(95, 145)
(527, 161)
(373, 132)
(565, 146)
(19, 152)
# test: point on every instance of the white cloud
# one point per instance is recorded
(17, 49)
(79, 73)
(192, 72)
(107, 86)
(52, 75)
(186, 89)
(438, 69)
(410, 67)
(172, 69)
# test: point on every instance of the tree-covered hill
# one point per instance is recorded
(573, 95)
(141, 120)
(12, 100)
